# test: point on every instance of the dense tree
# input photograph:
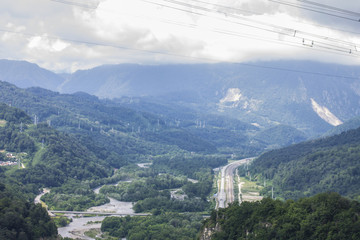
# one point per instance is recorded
(170, 226)
(20, 219)
(326, 164)
(324, 216)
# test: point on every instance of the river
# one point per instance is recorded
(81, 224)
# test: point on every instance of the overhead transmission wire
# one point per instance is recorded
(232, 33)
(304, 36)
(258, 13)
(191, 57)
(182, 56)
(90, 6)
(352, 13)
(251, 36)
(323, 9)
(281, 30)
(305, 42)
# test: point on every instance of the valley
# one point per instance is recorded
(225, 194)
(166, 163)
(179, 120)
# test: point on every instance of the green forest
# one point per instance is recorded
(72, 165)
(323, 216)
(75, 143)
(305, 169)
(20, 218)
(165, 226)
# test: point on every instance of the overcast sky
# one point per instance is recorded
(67, 35)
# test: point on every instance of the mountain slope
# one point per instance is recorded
(280, 135)
(346, 126)
(326, 164)
(119, 130)
(324, 216)
(262, 95)
(60, 155)
(24, 74)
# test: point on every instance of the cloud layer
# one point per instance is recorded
(67, 35)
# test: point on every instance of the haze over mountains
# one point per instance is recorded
(262, 96)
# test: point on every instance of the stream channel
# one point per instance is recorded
(80, 224)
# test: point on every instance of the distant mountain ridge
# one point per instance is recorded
(263, 95)
(24, 74)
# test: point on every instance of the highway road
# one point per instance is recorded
(225, 193)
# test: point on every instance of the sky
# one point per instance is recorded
(68, 35)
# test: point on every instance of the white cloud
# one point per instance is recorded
(138, 30)
(43, 43)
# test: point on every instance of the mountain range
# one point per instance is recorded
(310, 96)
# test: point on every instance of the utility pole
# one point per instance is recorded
(272, 192)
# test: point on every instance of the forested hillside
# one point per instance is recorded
(125, 129)
(326, 164)
(50, 159)
(120, 130)
(324, 216)
(71, 169)
(346, 126)
(20, 218)
(74, 143)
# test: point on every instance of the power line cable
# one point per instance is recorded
(317, 10)
(90, 6)
(258, 13)
(280, 28)
(191, 57)
(182, 56)
(350, 47)
(344, 11)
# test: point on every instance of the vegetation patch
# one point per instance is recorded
(61, 221)
(2, 123)
(93, 233)
(324, 216)
(171, 226)
(308, 168)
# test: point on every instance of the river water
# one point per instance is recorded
(81, 224)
